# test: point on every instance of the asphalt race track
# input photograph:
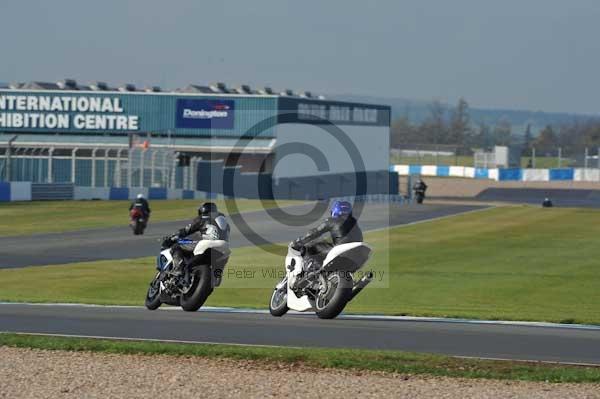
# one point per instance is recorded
(120, 243)
(553, 344)
(472, 339)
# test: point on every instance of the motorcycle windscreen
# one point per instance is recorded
(350, 260)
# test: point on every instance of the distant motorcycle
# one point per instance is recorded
(419, 195)
(325, 290)
(137, 220)
(191, 288)
(419, 190)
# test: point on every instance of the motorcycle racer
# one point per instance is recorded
(210, 222)
(142, 203)
(342, 227)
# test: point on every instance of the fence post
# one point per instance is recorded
(195, 173)
(598, 158)
(24, 163)
(173, 177)
(106, 150)
(585, 162)
(129, 162)
(191, 173)
(533, 157)
(39, 161)
(142, 156)
(93, 182)
(73, 162)
(50, 164)
(152, 167)
(8, 158)
(559, 157)
(118, 169)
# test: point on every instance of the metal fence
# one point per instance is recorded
(561, 158)
(529, 158)
(98, 166)
(427, 154)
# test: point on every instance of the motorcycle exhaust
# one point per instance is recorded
(360, 284)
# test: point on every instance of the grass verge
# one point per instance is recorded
(386, 361)
(21, 218)
(510, 263)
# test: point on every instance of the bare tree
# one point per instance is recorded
(460, 124)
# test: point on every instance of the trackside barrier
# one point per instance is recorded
(158, 193)
(374, 198)
(501, 174)
(26, 191)
(4, 191)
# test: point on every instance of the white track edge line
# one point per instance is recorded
(187, 342)
(173, 341)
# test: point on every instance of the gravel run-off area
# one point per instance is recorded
(33, 373)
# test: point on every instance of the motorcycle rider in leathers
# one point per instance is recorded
(342, 226)
(210, 222)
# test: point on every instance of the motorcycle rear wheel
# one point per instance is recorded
(199, 290)
(333, 297)
(153, 295)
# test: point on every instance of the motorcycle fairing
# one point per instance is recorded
(348, 257)
(294, 264)
(221, 246)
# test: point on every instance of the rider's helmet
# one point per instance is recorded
(207, 209)
(140, 196)
(341, 208)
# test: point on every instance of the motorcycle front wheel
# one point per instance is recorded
(153, 294)
(198, 291)
(278, 304)
(334, 293)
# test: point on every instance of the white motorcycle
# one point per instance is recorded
(198, 280)
(326, 290)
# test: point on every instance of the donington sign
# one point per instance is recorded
(65, 112)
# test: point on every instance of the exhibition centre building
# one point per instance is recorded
(211, 139)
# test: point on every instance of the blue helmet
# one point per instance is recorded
(341, 208)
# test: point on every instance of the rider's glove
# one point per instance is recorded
(167, 241)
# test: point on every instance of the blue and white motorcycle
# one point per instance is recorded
(202, 272)
(325, 290)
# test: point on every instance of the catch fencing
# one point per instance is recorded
(101, 166)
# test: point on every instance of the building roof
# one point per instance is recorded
(215, 88)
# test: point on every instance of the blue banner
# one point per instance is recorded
(204, 114)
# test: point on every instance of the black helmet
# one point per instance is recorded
(207, 209)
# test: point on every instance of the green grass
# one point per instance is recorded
(464, 160)
(19, 218)
(386, 361)
(514, 263)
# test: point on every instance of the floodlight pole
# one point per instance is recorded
(559, 157)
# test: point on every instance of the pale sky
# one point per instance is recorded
(516, 54)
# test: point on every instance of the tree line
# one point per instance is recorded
(453, 127)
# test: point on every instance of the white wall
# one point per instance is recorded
(372, 142)
(20, 191)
